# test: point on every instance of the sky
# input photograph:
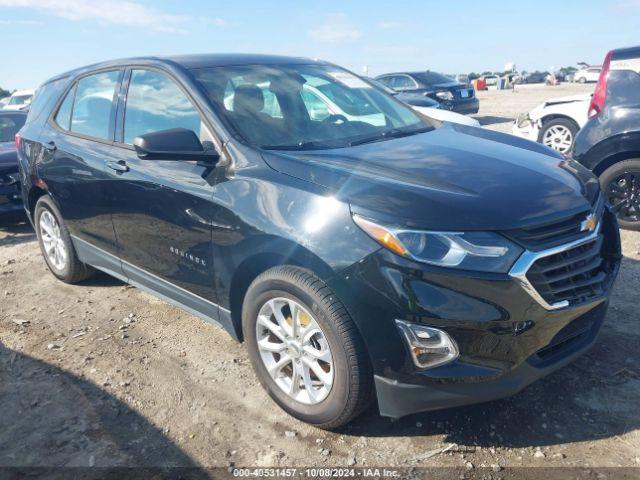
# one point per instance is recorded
(42, 38)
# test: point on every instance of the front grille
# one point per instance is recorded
(573, 336)
(552, 234)
(576, 275)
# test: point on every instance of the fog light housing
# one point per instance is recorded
(429, 347)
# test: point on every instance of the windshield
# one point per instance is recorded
(305, 106)
(20, 99)
(9, 126)
(432, 78)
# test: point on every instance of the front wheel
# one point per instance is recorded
(621, 186)
(304, 347)
(559, 134)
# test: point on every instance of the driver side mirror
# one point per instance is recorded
(174, 144)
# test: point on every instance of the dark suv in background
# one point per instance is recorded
(432, 265)
(609, 143)
(453, 95)
(10, 200)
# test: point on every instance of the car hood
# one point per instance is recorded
(6, 146)
(569, 99)
(454, 177)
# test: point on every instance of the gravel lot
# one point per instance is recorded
(102, 374)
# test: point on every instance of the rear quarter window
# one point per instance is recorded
(45, 99)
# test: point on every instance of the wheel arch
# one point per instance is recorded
(557, 116)
(34, 194)
(607, 162)
(279, 252)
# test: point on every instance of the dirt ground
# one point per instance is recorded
(102, 374)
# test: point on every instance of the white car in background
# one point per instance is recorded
(446, 116)
(588, 74)
(555, 122)
(19, 99)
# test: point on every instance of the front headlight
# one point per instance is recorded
(478, 251)
(523, 120)
(445, 95)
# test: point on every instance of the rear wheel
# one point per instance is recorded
(55, 244)
(582, 80)
(621, 186)
(559, 134)
(304, 347)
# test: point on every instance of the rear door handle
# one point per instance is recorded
(119, 166)
(49, 146)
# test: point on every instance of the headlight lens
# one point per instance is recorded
(478, 251)
(445, 95)
(523, 120)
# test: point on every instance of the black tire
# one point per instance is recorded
(74, 270)
(352, 388)
(564, 122)
(611, 175)
(582, 80)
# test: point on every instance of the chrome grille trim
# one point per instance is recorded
(528, 258)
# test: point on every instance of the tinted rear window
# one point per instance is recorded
(432, 78)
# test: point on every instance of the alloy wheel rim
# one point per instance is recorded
(623, 194)
(294, 350)
(52, 240)
(559, 138)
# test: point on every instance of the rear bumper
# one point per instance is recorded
(397, 399)
(466, 106)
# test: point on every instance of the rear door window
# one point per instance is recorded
(93, 105)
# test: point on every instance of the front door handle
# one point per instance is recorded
(119, 166)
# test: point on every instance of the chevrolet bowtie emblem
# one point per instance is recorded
(589, 224)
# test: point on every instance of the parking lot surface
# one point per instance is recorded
(102, 374)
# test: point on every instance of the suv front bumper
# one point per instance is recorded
(506, 338)
(396, 399)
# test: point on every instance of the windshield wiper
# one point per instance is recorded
(310, 145)
(395, 133)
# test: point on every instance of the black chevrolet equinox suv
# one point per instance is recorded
(366, 254)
